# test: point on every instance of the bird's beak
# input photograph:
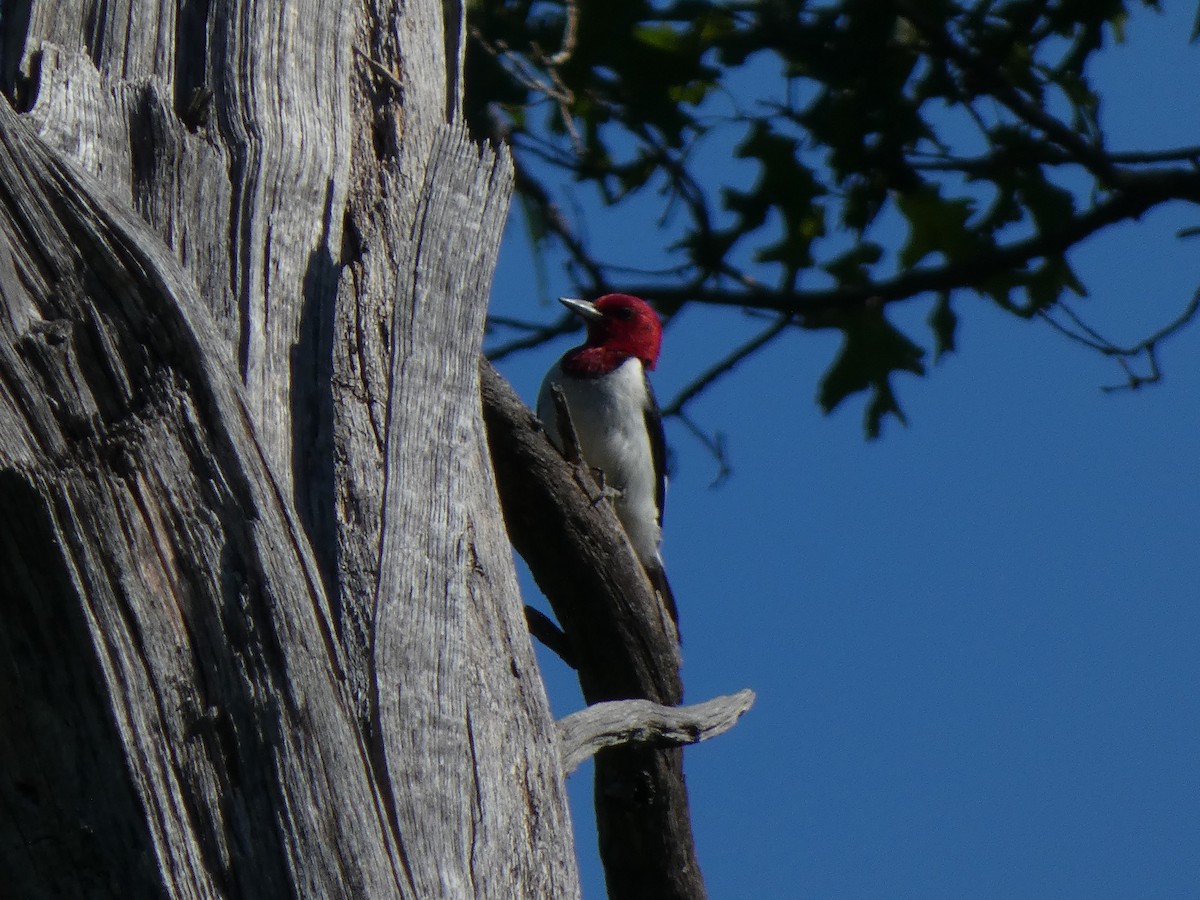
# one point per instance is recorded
(582, 308)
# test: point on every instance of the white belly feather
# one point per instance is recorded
(608, 413)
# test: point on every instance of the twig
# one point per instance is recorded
(1141, 192)
(714, 443)
(570, 36)
(725, 366)
(557, 224)
(495, 321)
(1088, 336)
(1185, 317)
(1134, 381)
(525, 74)
(1146, 157)
(565, 325)
(1006, 93)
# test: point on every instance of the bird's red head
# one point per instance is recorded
(618, 327)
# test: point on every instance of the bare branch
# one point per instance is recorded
(584, 733)
(526, 74)
(553, 638)
(563, 325)
(1184, 318)
(534, 192)
(725, 366)
(1006, 93)
(494, 321)
(570, 36)
(1148, 157)
(714, 443)
(1082, 333)
(1134, 381)
(1140, 192)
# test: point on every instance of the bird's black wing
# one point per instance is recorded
(658, 448)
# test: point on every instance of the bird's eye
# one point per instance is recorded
(623, 312)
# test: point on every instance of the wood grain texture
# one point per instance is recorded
(150, 525)
(615, 723)
(434, 623)
(257, 599)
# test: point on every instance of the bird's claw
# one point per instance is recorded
(597, 477)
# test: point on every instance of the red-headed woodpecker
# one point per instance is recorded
(616, 417)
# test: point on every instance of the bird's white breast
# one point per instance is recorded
(609, 415)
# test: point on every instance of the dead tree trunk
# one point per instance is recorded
(259, 624)
(258, 620)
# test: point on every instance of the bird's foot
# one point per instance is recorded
(606, 491)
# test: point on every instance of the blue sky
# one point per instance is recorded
(975, 642)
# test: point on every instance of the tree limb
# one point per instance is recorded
(1140, 192)
(1006, 92)
(584, 733)
(624, 646)
(553, 638)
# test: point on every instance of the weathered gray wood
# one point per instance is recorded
(618, 722)
(428, 212)
(436, 624)
(151, 564)
(257, 599)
